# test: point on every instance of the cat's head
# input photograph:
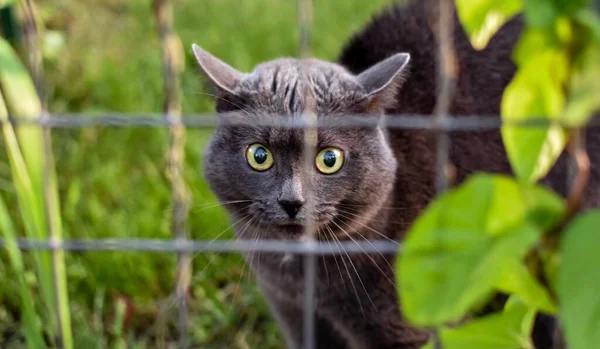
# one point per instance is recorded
(257, 171)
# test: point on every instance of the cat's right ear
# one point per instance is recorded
(385, 74)
(222, 75)
(383, 80)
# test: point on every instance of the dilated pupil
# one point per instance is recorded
(260, 156)
(329, 158)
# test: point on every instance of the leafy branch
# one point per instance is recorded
(479, 238)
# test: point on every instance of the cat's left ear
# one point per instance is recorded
(221, 74)
(382, 80)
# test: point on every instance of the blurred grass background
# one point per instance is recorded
(103, 56)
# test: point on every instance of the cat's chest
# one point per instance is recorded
(282, 270)
(335, 276)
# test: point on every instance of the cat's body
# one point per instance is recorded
(386, 178)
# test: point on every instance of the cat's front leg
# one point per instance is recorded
(289, 315)
(368, 313)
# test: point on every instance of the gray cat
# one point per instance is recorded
(368, 183)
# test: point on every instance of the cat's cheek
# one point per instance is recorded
(222, 175)
(389, 166)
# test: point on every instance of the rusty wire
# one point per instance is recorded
(171, 51)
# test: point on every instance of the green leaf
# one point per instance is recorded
(482, 18)
(463, 242)
(546, 208)
(516, 279)
(550, 263)
(22, 101)
(4, 3)
(30, 200)
(536, 92)
(509, 329)
(531, 42)
(579, 281)
(590, 20)
(543, 14)
(569, 7)
(584, 93)
(540, 13)
(30, 321)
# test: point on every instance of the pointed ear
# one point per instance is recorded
(222, 75)
(384, 75)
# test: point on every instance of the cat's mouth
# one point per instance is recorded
(291, 223)
(302, 224)
(294, 227)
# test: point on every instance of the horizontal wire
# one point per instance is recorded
(190, 246)
(210, 120)
(404, 121)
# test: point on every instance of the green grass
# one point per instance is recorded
(104, 56)
(36, 187)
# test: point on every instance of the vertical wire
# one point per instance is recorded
(578, 166)
(304, 27)
(34, 55)
(171, 60)
(578, 171)
(309, 152)
(447, 75)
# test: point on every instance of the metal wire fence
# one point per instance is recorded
(441, 124)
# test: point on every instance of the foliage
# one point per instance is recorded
(4, 3)
(578, 279)
(494, 233)
(469, 243)
(482, 18)
(510, 328)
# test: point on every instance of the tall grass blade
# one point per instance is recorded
(27, 158)
(31, 324)
(33, 218)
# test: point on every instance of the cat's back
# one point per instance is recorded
(413, 27)
(482, 76)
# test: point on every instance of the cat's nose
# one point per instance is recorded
(291, 207)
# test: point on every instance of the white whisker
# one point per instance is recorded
(222, 99)
(324, 260)
(382, 207)
(202, 207)
(348, 272)
(371, 229)
(335, 259)
(237, 287)
(344, 210)
(353, 267)
(194, 280)
(368, 255)
(172, 300)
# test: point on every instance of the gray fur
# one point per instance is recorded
(281, 88)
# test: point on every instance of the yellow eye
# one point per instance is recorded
(259, 157)
(329, 160)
